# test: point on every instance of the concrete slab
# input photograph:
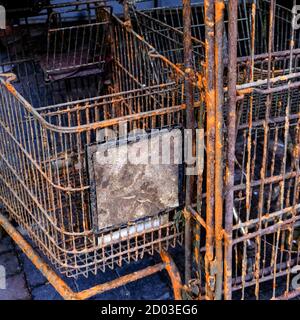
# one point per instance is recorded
(6, 244)
(45, 292)
(10, 262)
(15, 289)
(33, 276)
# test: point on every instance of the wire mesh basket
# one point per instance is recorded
(241, 216)
(74, 46)
(162, 27)
(48, 133)
(265, 212)
(66, 39)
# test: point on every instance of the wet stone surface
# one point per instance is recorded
(25, 282)
(6, 245)
(16, 288)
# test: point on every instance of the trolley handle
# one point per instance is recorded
(9, 77)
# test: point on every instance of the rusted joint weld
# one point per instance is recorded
(173, 273)
(187, 214)
(195, 215)
(128, 24)
(221, 235)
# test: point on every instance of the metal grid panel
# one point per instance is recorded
(259, 141)
(163, 28)
(44, 178)
(265, 229)
(64, 38)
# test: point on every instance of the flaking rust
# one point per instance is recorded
(47, 125)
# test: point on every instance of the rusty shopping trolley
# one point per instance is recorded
(226, 70)
(65, 38)
(245, 60)
(78, 209)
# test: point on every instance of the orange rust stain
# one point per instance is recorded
(173, 274)
(11, 88)
(220, 6)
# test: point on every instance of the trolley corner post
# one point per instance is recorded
(190, 126)
(214, 71)
(126, 13)
(231, 127)
(219, 71)
(210, 144)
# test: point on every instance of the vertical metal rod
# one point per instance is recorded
(126, 12)
(219, 71)
(210, 143)
(263, 171)
(249, 146)
(190, 124)
(296, 194)
(231, 127)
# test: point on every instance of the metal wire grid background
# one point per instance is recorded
(163, 28)
(266, 182)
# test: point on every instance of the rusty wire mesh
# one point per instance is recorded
(46, 127)
(44, 178)
(265, 212)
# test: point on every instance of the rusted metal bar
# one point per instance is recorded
(244, 87)
(264, 56)
(219, 74)
(286, 87)
(295, 164)
(266, 218)
(288, 296)
(197, 214)
(268, 230)
(210, 145)
(197, 217)
(190, 126)
(244, 231)
(67, 293)
(265, 274)
(231, 129)
(96, 125)
(126, 13)
(174, 274)
(263, 171)
(86, 294)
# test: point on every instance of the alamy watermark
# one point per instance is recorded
(296, 17)
(2, 278)
(296, 279)
(157, 147)
(2, 18)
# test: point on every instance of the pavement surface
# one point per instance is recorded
(25, 282)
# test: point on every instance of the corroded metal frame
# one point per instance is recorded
(68, 294)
